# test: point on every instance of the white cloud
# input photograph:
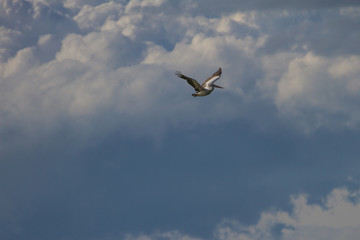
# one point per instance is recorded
(109, 58)
(96, 67)
(21, 63)
(105, 50)
(144, 3)
(78, 4)
(8, 42)
(351, 12)
(103, 71)
(320, 91)
(93, 17)
(338, 217)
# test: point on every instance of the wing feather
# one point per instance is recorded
(212, 79)
(191, 81)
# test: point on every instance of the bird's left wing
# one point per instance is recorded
(191, 81)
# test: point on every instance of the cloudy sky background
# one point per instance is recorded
(100, 141)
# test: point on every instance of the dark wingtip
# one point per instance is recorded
(218, 72)
(178, 73)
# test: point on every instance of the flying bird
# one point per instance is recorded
(206, 88)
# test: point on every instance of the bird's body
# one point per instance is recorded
(206, 88)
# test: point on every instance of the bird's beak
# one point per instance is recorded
(217, 86)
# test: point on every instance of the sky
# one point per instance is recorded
(99, 140)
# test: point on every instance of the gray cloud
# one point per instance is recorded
(96, 130)
(337, 218)
(30, 21)
(333, 220)
(114, 38)
(327, 33)
(215, 7)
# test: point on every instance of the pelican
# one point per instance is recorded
(206, 88)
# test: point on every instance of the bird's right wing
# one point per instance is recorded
(191, 81)
(210, 81)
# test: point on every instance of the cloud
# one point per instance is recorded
(86, 85)
(97, 59)
(337, 217)
(172, 235)
(211, 7)
(78, 4)
(320, 91)
(113, 66)
(77, 60)
(93, 17)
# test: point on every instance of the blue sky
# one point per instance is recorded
(100, 141)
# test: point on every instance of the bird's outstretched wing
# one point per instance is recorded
(191, 81)
(212, 79)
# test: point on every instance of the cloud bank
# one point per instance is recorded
(71, 63)
(83, 82)
(338, 217)
(64, 63)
